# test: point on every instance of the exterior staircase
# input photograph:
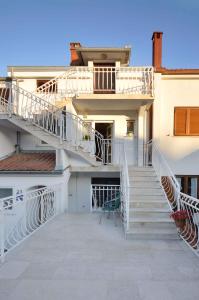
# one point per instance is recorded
(57, 127)
(149, 211)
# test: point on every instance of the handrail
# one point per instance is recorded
(124, 183)
(58, 122)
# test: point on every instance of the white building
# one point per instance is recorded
(77, 126)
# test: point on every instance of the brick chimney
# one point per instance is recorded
(157, 49)
(75, 60)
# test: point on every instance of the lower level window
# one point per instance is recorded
(189, 185)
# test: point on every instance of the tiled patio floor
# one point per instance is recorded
(73, 257)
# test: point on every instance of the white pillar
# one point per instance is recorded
(141, 135)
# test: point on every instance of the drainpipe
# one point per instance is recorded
(17, 146)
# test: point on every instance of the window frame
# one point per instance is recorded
(185, 187)
(52, 89)
(187, 121)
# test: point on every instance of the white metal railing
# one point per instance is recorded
(188, 226)
(101, 193)
(124, 183)
(21, 215)
(107, 151)
(58, 122)
(89, 80)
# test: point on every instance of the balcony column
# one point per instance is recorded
(90, 67)
(141, 134)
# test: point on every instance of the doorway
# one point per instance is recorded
(104, 78)
(106, 129)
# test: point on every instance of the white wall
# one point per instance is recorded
(80, 190)
(181, 152)
(119, 133)
(26, 181)
(8, 140)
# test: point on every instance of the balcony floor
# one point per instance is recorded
(73, 257)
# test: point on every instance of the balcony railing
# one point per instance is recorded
(100, 80)
(101, 193)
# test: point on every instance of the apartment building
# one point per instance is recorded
(100, 126)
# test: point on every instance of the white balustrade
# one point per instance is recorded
(23, 214)
(100, 80)
(189, 227)
(101, 193)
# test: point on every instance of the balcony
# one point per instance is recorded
(100, 82)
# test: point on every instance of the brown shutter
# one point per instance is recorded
(194, 121)
(180, 122)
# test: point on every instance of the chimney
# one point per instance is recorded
(75, 60)
(157, 49)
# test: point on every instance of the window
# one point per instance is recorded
(130, 127)
(189, 185)
(7, 193)
(186, 121)
(52, 86)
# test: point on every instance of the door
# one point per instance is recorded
(104, 79)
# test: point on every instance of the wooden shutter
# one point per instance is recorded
(180, 121)
(194, 121)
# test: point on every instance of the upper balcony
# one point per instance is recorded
(86, 83)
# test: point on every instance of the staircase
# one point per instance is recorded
(149, 212)
(57, 127)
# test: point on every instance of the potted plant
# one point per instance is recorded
(86, 137)
(180, 217)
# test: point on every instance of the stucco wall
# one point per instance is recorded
(8, 139)
(181, 152)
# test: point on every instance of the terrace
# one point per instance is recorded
(73, 257)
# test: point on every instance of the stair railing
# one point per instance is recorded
(124, 186)
(21, 215)
(185, 207)
(58, 122)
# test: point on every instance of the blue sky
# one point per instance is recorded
(38, 32)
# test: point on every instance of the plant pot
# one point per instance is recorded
(180, 223)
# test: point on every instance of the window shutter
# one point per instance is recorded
(180, 121)
(194, 121)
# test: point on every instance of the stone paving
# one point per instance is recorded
(74, 257)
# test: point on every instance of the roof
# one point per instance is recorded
(36, 68)
(166, 71)
(104, 54)
(31, 161)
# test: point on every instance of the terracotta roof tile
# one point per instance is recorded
(34, 161)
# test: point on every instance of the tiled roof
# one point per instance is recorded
(34, 161)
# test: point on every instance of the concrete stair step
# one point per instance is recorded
(152, 235)
(144, 191)
(143, 178)
(144, 184)
(142, 174)
(138, 169)
(148, 204)
(152, 223)
(157, 213)
(140, 197)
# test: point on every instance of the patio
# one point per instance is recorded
(73, 257)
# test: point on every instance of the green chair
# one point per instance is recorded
(111, 206)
